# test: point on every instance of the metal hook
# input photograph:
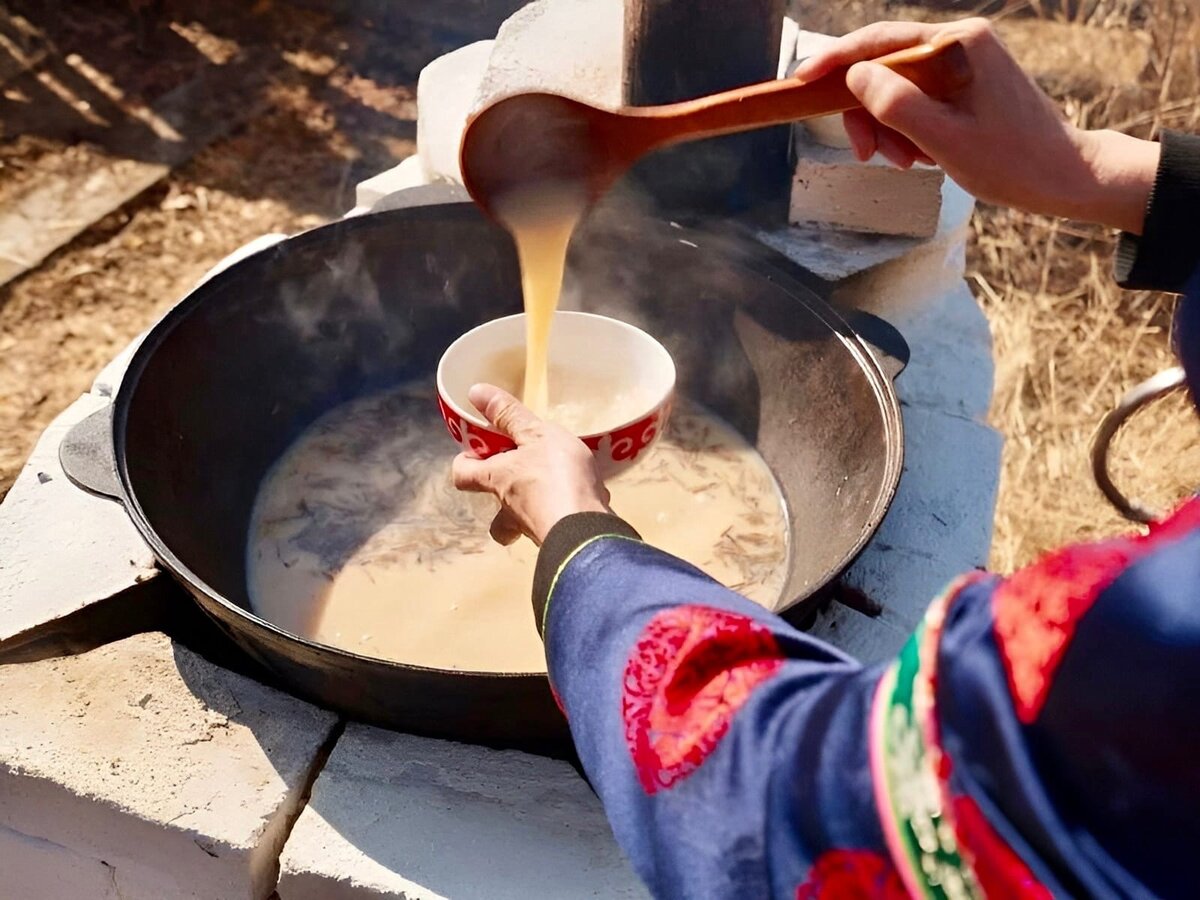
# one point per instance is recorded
(1153, 388)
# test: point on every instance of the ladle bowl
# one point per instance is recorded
(611, 378)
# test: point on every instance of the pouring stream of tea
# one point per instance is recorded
(536, 162)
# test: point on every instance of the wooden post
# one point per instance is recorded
(680, 49)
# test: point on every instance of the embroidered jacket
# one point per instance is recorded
(1038, 736)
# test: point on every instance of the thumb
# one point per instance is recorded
(505, 412)
(897, 103)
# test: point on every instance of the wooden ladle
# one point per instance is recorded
(529, 139)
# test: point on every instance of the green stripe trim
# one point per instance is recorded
(914, 796)
(567, 561)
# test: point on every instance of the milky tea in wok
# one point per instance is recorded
(359, 540)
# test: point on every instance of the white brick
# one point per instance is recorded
(787, 46)
(180, 774)
(571, 47)
(446, 93)
(404, 817)
(831, 187)
(61, 548)
(904, 272)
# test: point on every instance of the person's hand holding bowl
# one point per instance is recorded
(550, 475)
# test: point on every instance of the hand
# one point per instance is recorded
(1001, 138)
(550, 475)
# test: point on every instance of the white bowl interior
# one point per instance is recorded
(591, 360)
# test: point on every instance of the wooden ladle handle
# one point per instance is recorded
(940, 70)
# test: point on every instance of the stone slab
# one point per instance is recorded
(146, 756)
(404, 817)
(447, 90)
(571, 47)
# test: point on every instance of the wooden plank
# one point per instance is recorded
(22, 46)
(680, 49)
(54, 210)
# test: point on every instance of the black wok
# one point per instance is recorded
(222, 385)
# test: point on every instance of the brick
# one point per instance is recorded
(180, 774)
(404, 817)
(831, 187)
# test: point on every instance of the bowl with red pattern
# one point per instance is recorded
(611, 384)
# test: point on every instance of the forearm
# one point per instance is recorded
(1117, 180)
(710, 728)
(1165, 253)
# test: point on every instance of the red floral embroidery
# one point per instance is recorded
(1036, 610)
(692, 668)
(852, 875)
(1000, 872)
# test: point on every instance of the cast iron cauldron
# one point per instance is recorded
(225, 382)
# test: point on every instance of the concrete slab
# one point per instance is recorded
(409, 173)
(403, 817)
(35, 869)
(143, 755)
(62, 549)
(447, 91)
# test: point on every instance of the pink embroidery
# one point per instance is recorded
(691, 670)
(1037, 609)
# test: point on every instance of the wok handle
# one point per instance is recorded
(88, 458)
(883, 339)
(1154, 388)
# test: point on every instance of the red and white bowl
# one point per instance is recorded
(603, 351)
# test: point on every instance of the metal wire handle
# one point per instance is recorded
(1153, 388)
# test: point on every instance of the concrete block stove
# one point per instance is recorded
(137, 769)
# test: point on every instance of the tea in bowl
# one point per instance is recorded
(611, 384)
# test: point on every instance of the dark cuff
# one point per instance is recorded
(564, 539)
(1168, 252)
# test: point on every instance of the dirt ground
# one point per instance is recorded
(339, 105)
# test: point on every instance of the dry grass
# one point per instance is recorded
(1068, 341)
